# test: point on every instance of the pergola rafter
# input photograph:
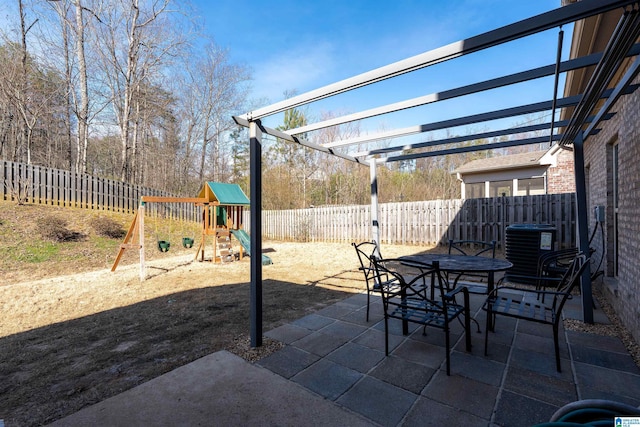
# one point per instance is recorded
(495, 115)
(476, 136)
(580, 115)
(552, 19)
(524, 76)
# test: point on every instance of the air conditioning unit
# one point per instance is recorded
(523, 246)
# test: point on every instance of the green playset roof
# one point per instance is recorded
(225, 194)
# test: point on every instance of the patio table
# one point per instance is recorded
(462, 264)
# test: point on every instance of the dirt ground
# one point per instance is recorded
(71, 341)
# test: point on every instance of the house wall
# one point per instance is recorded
(560, 177)
(506, 175)
(623, 291)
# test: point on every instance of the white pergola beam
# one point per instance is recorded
(544, 21)
(462, 121)
(470, 149)
(475, 136)
(279, 134)
(520, 77)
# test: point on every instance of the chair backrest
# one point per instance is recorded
(556, 263)
(411, 279)
(569, 281)
(365, 252)
(472, 247)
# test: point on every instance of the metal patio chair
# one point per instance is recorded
(475, 282)
(409, 302)
(529, 304)
(365, 252)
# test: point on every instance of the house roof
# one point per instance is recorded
(225, 194)
(512, 161)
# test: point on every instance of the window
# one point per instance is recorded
(499, 188)
(474, 191)
(530, 186)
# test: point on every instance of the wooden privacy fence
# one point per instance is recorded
(416, 223)
(56, 187)
(425, 223)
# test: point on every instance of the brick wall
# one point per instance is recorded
(623, 291)
(560, 178)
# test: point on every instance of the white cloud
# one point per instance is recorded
(302, 69)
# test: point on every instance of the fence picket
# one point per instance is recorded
(426, 222)
(48, 186)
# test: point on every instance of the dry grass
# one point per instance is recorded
(69, 341)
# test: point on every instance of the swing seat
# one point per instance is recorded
(163, 245)
(187, 242)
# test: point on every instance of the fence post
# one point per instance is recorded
(422, 223)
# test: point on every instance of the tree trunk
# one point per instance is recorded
(68, 83)
(83, 110)
(135, 134)
(205, 142)
(132, 61)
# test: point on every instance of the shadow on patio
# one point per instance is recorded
(338, 355)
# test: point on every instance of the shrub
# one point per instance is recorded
(55, 228)
(108, 227)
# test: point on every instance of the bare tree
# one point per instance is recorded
(221, 91)
(30, 91)
(15, 81)
(70, 14)
(82, 112)
(63, 30)
(61, 8)
(136, 41)
(211, 90)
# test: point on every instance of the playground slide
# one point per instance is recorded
(244, 240)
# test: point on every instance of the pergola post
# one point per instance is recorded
(255, 186)
(582, 221)
(375, 225)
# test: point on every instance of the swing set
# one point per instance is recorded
(222, 207)
(165, 245)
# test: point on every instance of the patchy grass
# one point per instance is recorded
(81, 333)
(48, 236)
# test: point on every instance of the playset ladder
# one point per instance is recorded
(223, 246)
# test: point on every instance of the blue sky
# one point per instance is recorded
(303, 45)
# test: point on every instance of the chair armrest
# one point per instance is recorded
(529, 291)
(529, 280)
(451, 294)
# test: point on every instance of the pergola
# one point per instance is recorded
(611, 74)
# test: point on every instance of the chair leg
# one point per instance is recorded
(386, 335)
(368, 294)
(557, 346)
(446, 341)
(467, 322)
(477, 325)
(486, 331)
